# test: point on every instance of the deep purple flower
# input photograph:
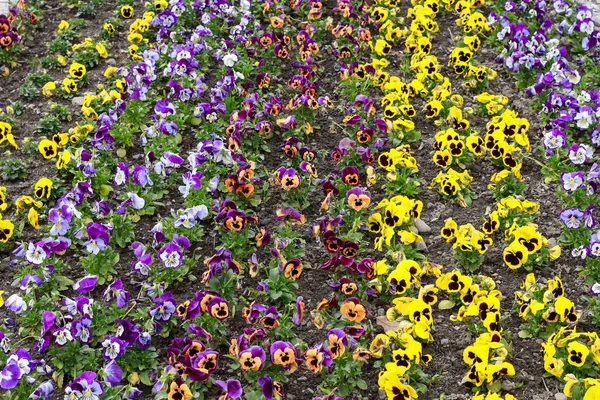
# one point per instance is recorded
(269, 388)
(86, 284)
(98, 237)
(164, 108)
(232, 389)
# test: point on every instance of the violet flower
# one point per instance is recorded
(232, 389)
(115, 292)
(86, 284)
(113, 348)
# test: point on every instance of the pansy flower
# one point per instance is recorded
(77, 71)
(317, 357)
(353, 310)
(284, 354)
(115, 292)
(350, 176)
(164, 306)
(203, 365)
(232, 389)
(289, 214)
(358, 198)
(293, 268)
(252, 359)
(113, 348)
(270, 389)
(572, 217)
(299, 313)
(171, 255)
(218, 308)
(87, 386)
(179, 391)
(572, 181)
(98, 237)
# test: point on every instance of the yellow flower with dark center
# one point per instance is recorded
(69, 85)
(48, 148)
(378, 345)
(529, 237)
(433, 108)
(375, 223)
(126, 12)
(400, 278)
(77, 71)
(515, 255)
(428, 293)
(449, 230)
(134, 38)
(6, 230)
(397, 390)
(565, 308)
(382, 48)
(491, 224)
(42, 188)
(578, 353)
(60, 139)
(63, 159)
(454, 282)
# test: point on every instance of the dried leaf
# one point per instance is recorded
(387, 325)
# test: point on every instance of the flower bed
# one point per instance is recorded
(230, 199)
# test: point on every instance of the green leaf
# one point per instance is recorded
(445, 305)
(495, 387)
(145, 378)
(361, 384)
(525, 334)
(276, 295)
(105, 190)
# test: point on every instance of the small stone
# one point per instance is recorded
(421, 226)
(444, 341)
(111, 61)
(421, 246)
(77, 100)
(192, 278)
(560, 396)
(301, 379)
